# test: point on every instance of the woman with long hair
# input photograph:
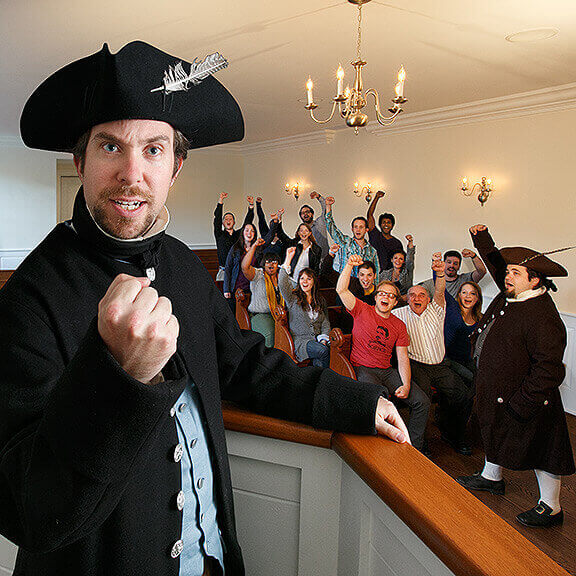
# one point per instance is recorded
(233, 275)
(462, 317)
(307, 313)
(308, 253)
(402, 271)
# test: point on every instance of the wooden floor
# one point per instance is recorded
(521, 494)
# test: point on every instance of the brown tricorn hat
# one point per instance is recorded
(537, 261)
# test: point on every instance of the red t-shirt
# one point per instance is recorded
(374, 337)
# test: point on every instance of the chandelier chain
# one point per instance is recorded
(358, 46)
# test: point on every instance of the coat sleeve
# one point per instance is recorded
(70, 432)
(218, 220)
(491, 256)
(267, 381)
(545, 342)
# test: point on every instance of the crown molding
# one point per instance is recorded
(289, 143)
(554, 99)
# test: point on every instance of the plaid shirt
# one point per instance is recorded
(349, 246)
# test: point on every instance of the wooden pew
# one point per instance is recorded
(283, 338)
(242, 314)
(340, 353)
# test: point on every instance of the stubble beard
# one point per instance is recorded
(119, 226)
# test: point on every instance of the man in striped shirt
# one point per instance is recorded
(424, 319)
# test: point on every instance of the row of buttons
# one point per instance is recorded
(178, 546)
(501, 401)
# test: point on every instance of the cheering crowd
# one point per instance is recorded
(421, 342)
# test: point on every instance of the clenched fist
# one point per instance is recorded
(137, 326)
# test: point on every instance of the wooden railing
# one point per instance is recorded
(466, 535)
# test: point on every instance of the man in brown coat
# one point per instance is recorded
(519, 349)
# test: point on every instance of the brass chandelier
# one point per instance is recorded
(351, 101)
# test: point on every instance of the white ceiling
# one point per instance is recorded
(454, 51)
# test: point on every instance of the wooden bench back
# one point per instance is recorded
(242, 314)
(340, 345)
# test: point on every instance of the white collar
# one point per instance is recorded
(159, 225)
(527, 295)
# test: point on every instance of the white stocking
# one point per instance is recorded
(492, 471)
(549, 485)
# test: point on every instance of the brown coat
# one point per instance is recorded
(520, 369)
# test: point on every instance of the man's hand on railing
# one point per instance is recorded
(389, 423)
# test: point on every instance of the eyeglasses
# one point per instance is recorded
(389, 294)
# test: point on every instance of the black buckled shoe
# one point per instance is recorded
(478, 482)
(459, 445)
(540, 516)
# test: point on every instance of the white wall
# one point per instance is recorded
(194, 195)
(27, 196)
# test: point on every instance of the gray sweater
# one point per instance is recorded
(302, 327)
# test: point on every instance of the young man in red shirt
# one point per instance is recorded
(375, 335)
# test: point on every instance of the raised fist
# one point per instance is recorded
(379, 194)
(468, 253)
(330, 200)
(259, 199)
(314, 194)
(355, 260)
(478, 228)
(137, 326)
(250, 200)
(223, 196)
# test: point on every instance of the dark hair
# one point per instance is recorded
(317, 299)
(387, 216)
(368, 264)
(270, 257)
(544, 282)
(453, 254)
(360, 218)
(297, 238)
(477, 309)
(240, 244)
(306, 206)
(181, 147)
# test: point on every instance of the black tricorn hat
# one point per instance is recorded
(105, 87)
(534, 260)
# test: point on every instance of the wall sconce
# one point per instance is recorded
(485, 187)
(364, 190)
(293, 189)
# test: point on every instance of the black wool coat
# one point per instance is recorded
(88, 479)
(520, 369)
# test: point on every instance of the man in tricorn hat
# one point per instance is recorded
(519, 349)
(116, 347)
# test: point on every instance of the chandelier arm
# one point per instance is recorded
(383, 120)
(327, 119)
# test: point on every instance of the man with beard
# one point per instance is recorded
(519, 350)
(224, 232)
(375, 335)
(385, 244)
(424, 319)
(317, 226)
(117, 348)
(454, 281)
(355, 244)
